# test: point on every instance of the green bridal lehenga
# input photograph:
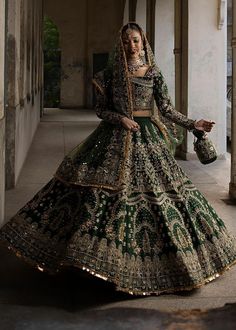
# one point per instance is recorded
(119, 205)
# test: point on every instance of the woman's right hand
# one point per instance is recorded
(130, 124)
(204, 125)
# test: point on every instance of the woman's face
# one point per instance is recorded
(132, 43)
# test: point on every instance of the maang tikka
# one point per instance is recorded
(129, 30)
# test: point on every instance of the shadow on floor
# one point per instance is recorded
(72, 289)
(74, 300)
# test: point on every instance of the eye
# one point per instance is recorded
(136, 40)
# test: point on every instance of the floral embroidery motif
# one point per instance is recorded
(101, 157)
(142, 92)
(119, 206)
(164, 103)
(143, 242)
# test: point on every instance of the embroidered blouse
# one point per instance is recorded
(145, 90)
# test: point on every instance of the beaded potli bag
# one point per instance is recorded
(204, 147)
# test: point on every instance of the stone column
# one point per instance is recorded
(23, 97)
(150, 24)
(181, 53)
(132, 10)
(232, 185)
(126, 12)
(2, 112)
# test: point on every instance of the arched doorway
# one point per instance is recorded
(52, 64)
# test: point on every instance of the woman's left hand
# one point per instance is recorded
(204, 125)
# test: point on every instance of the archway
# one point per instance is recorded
(52, 64)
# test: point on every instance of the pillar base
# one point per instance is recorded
(232, 190)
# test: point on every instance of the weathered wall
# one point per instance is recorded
(232, 184)
(204, 63)
(71, 19)
(164, 42)
(101, 37)
(141, 9)
(23, 83)
(126, 12)
(86, 27)
(2, 114)
(207, 69)
(229, 40)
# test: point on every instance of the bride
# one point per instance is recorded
(119, 205)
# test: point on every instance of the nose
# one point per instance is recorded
(131, 46)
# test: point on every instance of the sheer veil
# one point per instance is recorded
(117, 76)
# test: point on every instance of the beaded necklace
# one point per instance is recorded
(135, 65)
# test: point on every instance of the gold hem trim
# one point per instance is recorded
(78, 265)
(142, 113)
(149, 293)
(121, 186)
(92, 185)
(28, 260)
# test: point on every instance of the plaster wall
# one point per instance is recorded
(141, 9)
(71, 18)
(102, 37)
(26, 125)
(229, 40)
(24, 82)
(207, 69)
(126, 12)
(164, 42)
(85, 27)
(2, 56)
(2, 115)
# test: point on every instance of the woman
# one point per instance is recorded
(119, 205)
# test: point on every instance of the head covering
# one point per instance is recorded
(116, 76)
(117, 70)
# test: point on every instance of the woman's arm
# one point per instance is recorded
(165, 106)
(110, 116)
(103, 112)
(102, 104)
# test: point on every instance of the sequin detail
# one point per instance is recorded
(145, 243)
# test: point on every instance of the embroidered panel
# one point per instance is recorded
(142, 89)
(145, 243)
(113, 158)
(165, 105)
(99, 160)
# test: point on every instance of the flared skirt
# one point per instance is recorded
(156, 234)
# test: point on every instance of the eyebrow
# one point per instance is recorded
(125, 38)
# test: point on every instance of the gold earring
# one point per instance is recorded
(142, 52)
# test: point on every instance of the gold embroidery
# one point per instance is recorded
(134, 248)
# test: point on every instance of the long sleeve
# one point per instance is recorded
(103, 112)
(165, 106)
(102, 105)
